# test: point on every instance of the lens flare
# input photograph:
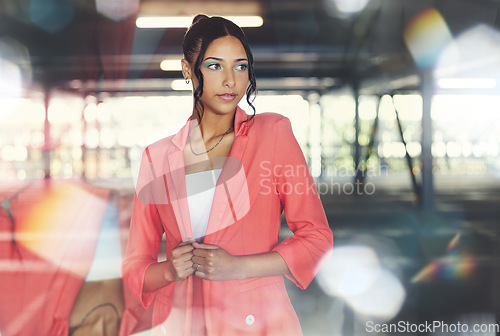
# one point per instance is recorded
(455, 266)
(15, 71)
(472, 60)
(62, 225)
(354, 274)
(425, 36)
(117, 10)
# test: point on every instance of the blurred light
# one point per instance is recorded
(33, 110)
(76, 138)
(455, 265)
(21, 174)
(171, 65)
(14, 153)
(62, 225)
(466, 149)
(386, 109)
(453, 149)
(76, 153)
(368, 107)
(51, 15)
(298, 83)
(180, 85)
(90, 113)
(10, 86)
(37, 139)
(414, 148)
(91, 138)
(350, 6)
(58, 111)
(425, 37)
(103, 113)
(117, 10)
(75, 84)
(438, 149)
(467, 83)
(349, 271)
(383, 300)
(354, 274)
(474, 54)
(8, 153)
(485, 149)
(409, 106)
(185, 21)
(107, 138)
(493, 149)
(394, 149)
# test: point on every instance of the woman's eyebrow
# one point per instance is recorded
(214, 58)
(221, 59)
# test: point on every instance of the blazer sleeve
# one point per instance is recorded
(312, 238)
(145, 235)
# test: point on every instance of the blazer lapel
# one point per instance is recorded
(176, 181)
(231, 198)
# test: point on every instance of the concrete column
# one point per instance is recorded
(427, 200)
(357, 148)
(46, 133)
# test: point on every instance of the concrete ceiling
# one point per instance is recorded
(70, 44)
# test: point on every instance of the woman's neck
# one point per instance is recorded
(213, 125)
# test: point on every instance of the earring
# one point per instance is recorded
(187, 80)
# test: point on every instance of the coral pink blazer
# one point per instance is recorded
(264, 174)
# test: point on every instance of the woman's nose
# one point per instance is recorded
(229, 79)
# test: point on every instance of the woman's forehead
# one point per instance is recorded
(226, 48)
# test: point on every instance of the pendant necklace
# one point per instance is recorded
(218, 142)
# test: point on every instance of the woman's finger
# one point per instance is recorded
(187, 241)
(183, 257)
(201, 260)
(179, 250)
(204, 246)
(203, 253)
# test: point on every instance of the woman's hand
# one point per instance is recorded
(212, 262)
(181, 264)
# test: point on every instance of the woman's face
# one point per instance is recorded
(225, 75)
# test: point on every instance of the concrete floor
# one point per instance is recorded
(458, 244)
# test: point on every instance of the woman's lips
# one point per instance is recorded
(227, 97)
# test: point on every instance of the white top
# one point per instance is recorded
(200, 188)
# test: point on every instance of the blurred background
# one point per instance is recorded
(396, 105)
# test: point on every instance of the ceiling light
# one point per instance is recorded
(467, 83)
(171, 65)
(350, 6)
(180, 85)
(185, 21)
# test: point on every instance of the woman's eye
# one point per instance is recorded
(241, 67)
(214, 66)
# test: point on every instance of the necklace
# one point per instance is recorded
(218, 142)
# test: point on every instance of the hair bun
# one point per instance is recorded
(199, 17)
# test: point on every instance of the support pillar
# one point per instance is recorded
(358, 177)
(46, 134)
(427, 200)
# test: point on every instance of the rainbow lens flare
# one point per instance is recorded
(61, 224)
(456, 265)
(425, 36)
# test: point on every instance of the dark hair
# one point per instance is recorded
(203, 31)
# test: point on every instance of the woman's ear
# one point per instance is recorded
(186, 69)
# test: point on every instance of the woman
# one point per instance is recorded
(217, 189)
